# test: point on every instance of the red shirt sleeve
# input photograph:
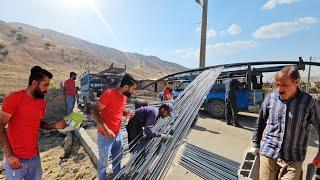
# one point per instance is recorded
(10, 104)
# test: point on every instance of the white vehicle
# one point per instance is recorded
(91, 87)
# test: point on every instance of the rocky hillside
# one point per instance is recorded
(130, 59)
(22, 47)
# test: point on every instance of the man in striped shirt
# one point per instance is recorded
(283, 127)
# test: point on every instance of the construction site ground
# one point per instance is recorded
(216, 136)
(208, 133)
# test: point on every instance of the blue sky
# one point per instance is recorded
(238, 30)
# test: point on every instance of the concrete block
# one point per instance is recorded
(89, 145)
(249, 169)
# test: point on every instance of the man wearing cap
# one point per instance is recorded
(147, 117)
(231, 100)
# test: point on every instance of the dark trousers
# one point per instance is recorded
(230, 111)
(134, 130)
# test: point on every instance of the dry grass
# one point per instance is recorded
(58, 58)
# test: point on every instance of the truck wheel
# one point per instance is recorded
(85, 105)
(216, 108)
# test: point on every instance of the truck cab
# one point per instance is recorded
(247, 99)
(91, 87)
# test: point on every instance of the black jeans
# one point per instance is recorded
(134, 130)
(230, 111)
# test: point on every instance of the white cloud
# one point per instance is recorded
(273, 3)
(223, 33)
(187, 54)
(228, 48)
(234, 29)
(211, 33)
(283, 29)
(215, 51)
(307, 20)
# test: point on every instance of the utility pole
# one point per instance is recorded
(204, 6)
(308, 80)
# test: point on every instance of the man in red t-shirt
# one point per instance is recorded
(70, 91)
(23, 111)
(167, 92)
(108, 112)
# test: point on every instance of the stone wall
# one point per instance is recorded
(56, 105)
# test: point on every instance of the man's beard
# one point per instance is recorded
(128, 94)
(37, 93)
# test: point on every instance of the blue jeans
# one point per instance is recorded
(70, 100)
(31, 169)
(106, 148)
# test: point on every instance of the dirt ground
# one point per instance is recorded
(77, 166)
(208, 133)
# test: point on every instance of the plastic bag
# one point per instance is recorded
(73, 120)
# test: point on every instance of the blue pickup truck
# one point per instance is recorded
(247, 100)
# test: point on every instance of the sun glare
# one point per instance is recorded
(76, 4)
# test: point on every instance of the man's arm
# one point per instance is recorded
(315, 120)
(261, 123)
(148, 129)
(61, 124)
(13, 161)
(98, 107)
(4, 119)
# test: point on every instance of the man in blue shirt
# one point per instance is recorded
(281, 136)
(146, 117)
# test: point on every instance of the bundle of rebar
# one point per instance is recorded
(151, 158)
(208, 165)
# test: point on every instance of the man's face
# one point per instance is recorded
(40, 88)
(74, 77)
(286, 87)
(163, 113)
(129, 90)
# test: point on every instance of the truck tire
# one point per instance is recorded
(216, 108)
(85, 105)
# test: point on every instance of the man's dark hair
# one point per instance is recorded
(73, 74)
(127, 80)
(37, 73)
(170, 82)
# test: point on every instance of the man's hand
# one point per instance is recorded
(14, 162)
(129, 113)
(254, 150)
(165, 136)
(316, 162)
(59, 125)
(110, 134)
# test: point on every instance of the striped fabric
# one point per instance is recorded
(283, 126)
